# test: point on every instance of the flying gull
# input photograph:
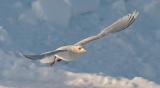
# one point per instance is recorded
(72, 52)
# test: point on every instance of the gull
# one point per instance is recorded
(72, 52)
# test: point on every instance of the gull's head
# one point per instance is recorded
(78, 49)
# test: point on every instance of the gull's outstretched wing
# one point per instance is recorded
(43, 55)
(117, 26)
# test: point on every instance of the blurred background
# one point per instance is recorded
(37, 26)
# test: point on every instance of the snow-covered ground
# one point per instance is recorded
(129, 59)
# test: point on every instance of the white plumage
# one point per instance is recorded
(71, 52)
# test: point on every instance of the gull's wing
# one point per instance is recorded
(43, 55)
(117, 26)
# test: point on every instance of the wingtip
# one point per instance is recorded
(135, 13)
(26, 56)
(20, 54)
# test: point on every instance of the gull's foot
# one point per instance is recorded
(55, 60)
(58, 60)
(51, 64)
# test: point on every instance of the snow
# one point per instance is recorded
(128, 59)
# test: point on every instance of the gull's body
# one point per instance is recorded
(71, 52)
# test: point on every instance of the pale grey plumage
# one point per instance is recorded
(70, 52)
(46, 54)
(117, 26)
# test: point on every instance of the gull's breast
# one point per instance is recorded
(67, 56)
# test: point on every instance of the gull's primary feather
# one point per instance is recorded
(43, 55)
(117, 26)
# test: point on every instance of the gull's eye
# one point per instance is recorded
(79, 48)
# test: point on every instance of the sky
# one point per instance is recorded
(129, 59)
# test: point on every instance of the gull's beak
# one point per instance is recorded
(84, 50)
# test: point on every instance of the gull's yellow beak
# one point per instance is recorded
(84, 50)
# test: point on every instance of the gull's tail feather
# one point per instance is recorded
(43, 55)
(34, 57)
(50, 60)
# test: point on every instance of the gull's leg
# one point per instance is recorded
(53, 61)
(58, 59)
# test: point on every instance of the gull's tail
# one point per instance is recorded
(43, 55)
(45, 58)
(34, 57)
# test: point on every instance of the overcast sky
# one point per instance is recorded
(122, 59)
